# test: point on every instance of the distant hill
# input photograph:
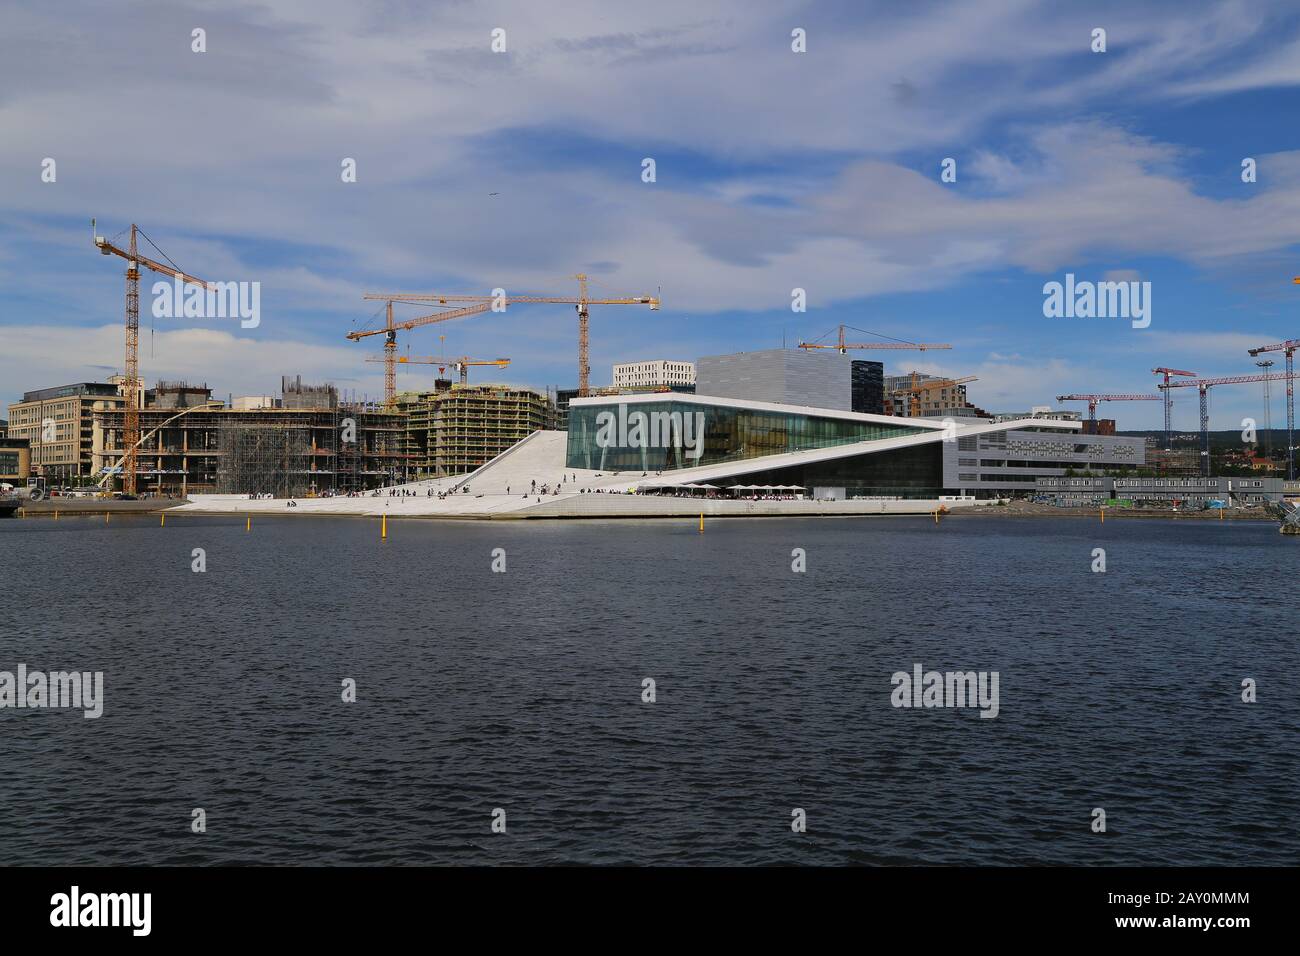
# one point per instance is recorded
(1181, 438)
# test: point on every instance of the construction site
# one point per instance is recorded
(176, 440)
(294, 446)
(454, 429)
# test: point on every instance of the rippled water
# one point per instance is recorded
(523, 691)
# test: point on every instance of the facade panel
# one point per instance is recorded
(815, 379)
(1009, 463)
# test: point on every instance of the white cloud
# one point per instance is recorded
(231, 161)
(39, 356)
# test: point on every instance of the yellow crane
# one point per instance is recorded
(581, 303)
(919, 387)
(842, 346)
(131, 385)
(460, 364)
(389, 331)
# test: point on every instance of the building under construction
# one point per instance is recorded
(456, 428)
(939, 402)
(306, 443)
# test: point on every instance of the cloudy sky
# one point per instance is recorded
(774, 169)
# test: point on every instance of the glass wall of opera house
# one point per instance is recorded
(704, 438)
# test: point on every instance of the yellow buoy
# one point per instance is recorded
(105, 517)
(162, 520)
(701, 522)
(383, 528)
(1102, 512)
(248, 523)
(56, 515)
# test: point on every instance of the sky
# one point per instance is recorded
(775, 170)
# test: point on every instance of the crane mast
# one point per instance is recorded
(133, 384)
(1169, 400)
(1288, 350)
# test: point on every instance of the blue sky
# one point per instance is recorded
(775, 170)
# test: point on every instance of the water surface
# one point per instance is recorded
(522, 690)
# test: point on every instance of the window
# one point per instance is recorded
(730, 434)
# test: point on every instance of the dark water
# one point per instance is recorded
(523, 691)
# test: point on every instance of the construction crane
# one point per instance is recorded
(1092, 401)
(131, 385)
(460, 364)
(842, 346)
(389, 331)
(1268, 413)
(580, 303)
(1204, 385)
(1288, 349)
(918, 388)
(1169, 399)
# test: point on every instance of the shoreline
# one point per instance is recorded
(1048, 511)
(617, 507)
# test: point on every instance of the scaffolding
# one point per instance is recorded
(261, 458)
(298, 453)
(283, 452)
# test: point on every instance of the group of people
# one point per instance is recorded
(534, 491)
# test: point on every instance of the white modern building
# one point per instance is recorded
(1008, 462)
(830, 451)
(661, 454)
(652, 374)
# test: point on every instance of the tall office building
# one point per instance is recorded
(868, 386)
(58, 424)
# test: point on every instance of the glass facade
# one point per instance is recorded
(667, 435)
(900, 473)
(868, 387)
